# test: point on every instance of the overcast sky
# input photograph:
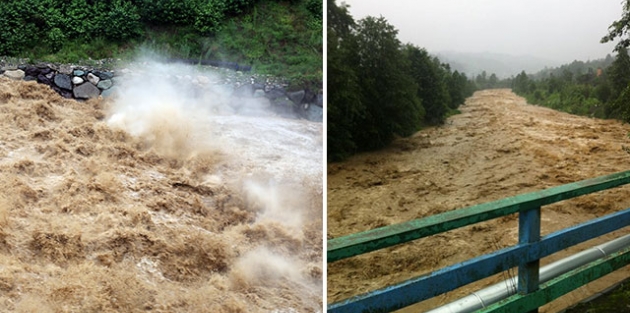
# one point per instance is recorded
(559, 30)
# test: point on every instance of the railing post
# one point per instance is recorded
(528, 232)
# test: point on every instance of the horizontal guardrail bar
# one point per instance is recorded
(561, 285)
(448, 278)
(383, 237)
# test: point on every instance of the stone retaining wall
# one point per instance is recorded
(83, 83)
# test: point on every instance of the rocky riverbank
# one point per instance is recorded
(85, 82)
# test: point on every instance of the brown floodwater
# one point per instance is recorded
(499, 146)
(152, 205)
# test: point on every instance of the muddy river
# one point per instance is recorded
(150, 205)
(499, 146)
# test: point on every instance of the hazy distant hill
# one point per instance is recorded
(503, 65)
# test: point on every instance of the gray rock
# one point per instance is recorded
(296, 96)
(275, 93)
(86, 91)
(77, 80)
(65, 69)
(110, 92)
(29, 78)
(32, 71)
(45, 71)
(104, 84)
(14, 74)
(319, 100)
(284, 107)
(63, 81)
(314, 113)
(78, 73)
(103, 75)
(9, 67)
(93, 78)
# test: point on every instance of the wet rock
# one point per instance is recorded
(29, 78)
(14, 74)
(65, 69)
(45, 71)
(32, 71)
(43, 79)
(319, 100)
(314, 113)
(86, 91)
(275, 93)
(296, 96)
(110, 92)
(93, 78)
(63, 81)
(103, 75)
(284, 107)
(104, 84)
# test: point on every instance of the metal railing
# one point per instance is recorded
(526, 254)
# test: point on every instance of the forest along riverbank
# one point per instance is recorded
(499, 146)
(153, 203)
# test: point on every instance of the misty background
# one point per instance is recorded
(502, 37)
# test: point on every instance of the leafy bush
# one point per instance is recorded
(208, 17)
(315, 7)
(236, 7)
(121, 22)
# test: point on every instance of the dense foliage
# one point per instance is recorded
(280, 37)
(379, 88)
(595, 88)
(599, 88)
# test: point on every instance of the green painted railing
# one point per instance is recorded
(526, 254)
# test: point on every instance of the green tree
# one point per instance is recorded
(387, 90)
(619, 29)
(619, 72)
(344, 107)
(431, 88)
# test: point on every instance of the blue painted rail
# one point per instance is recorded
(526, 254)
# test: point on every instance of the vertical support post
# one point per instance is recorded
(528, 232)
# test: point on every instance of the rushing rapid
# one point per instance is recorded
(499, 146)
(156, 204)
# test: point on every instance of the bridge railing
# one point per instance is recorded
(526, 254)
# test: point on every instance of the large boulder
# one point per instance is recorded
(86, 91)
(314, 113)
(296, 96)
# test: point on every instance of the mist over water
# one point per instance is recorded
(280, 159)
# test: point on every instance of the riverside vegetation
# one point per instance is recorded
(379, 88)
(281, 38)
